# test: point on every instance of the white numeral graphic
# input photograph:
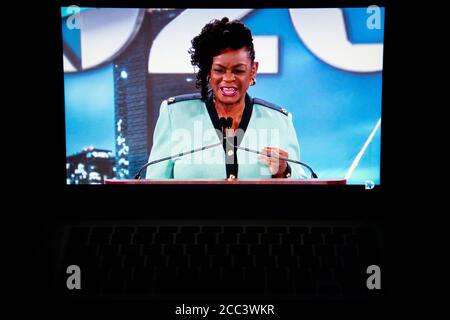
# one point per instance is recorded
(169, 50)
(104, 34)
(323, 32)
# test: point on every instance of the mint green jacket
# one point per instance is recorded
(186, 123)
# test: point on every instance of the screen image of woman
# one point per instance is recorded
(222, 122)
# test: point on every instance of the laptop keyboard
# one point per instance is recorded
(254, 259)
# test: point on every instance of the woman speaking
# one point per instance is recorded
(222, 122)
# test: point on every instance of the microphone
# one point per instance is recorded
(229, 147)
(225, 123)
(138, 174)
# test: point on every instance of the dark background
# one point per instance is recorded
(39, 208)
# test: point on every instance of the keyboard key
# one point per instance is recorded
(153, 249)
(303, 250)
(331, 261)
(124, 230)
(342, 230)
(259, 250)
(331, 239)
(218, 249)
(221, 261)
(304, 287)
(143, 274)
(299, 230)
(156, 261)
(322, 250)
(287, 261)
(322, 274)
(320, 230)
(207, 238)
(200, 261)
(130, 250)
(190, 229)
(178, 261)
(228, 238)
(112, 262)
(212, 229)
(249, 238)
(185, 238)
(255, 229)
(164, 238)
(109, 250)
(308, 262)
(312, 238)
(209, 275)
(195, 249)
(121, 238)
(270, 238)
(291, 238)
(148, 229)
(168, 229)
(173, 249)
(142, 238)
(238, 249)
(243, 261)
(278, 229)
(233, 229)
(281, 250)
(346, 251)
(134, 261)
(102, 230)
(277, 281)
(166, 280)
(188, 277)
(265, 261)
(234, 275)
(255, 280)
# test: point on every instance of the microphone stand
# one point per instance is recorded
(313, 174)
(138, 175)
(224, 124)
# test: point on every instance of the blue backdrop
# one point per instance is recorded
(334, 110)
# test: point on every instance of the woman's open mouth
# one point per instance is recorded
(228, 91)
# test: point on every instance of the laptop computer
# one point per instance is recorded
(179, 241)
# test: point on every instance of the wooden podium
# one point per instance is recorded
(230, 182)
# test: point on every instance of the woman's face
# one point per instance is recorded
(231, 74)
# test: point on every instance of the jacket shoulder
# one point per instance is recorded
(183, 97)
(270, 105)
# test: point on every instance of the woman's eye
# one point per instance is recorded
(239, 71)
(218, 70)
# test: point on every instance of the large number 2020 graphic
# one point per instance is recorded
(322, 31)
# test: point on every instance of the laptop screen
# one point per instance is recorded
(323, 66)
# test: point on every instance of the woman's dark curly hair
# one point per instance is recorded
(215, 37)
